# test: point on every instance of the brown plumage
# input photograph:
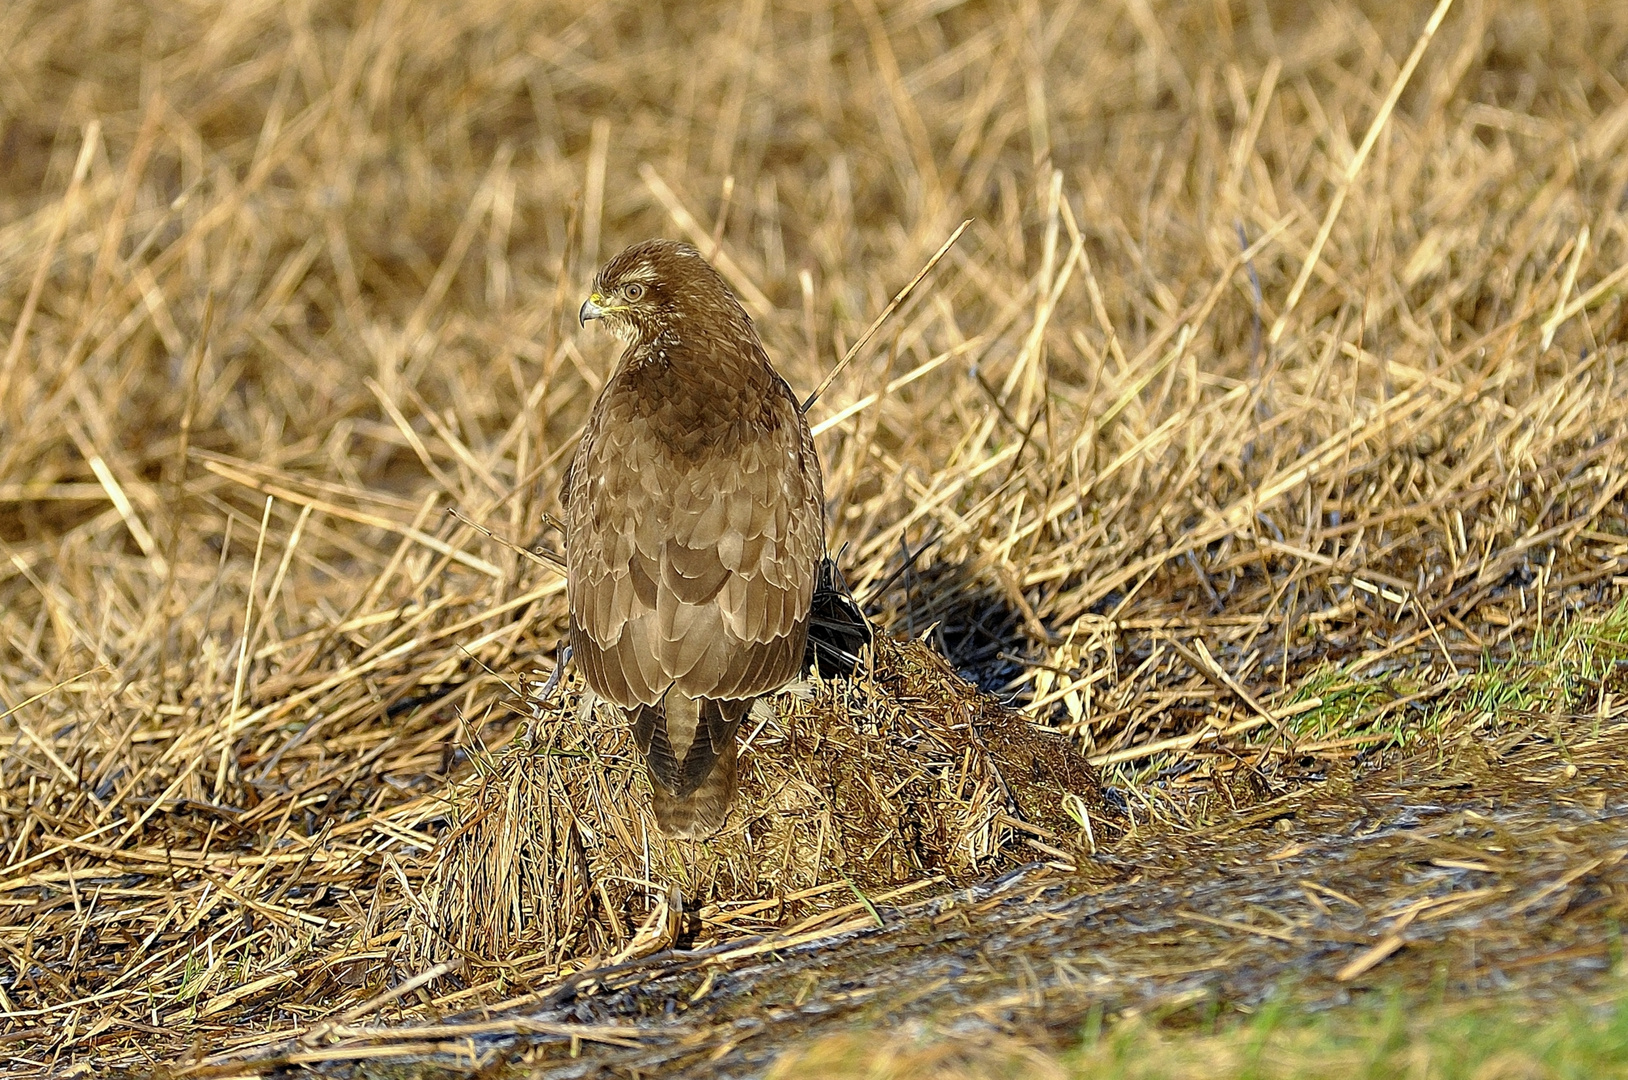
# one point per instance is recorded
(693, 526)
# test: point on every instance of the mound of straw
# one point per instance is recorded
(901, 780)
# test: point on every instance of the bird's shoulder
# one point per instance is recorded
(693, 397)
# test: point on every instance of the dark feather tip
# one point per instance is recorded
(837, 629)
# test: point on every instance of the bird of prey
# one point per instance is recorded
(694, 526)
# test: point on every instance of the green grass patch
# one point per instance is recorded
(1567, 668)
(1373, 1039)
(1378, 1040)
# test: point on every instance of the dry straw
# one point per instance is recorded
(901, 779)
(1150, 449)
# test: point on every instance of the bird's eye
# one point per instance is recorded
(634, 290)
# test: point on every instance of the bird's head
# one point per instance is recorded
(659, 285)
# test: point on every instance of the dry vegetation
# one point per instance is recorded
(1266, 351)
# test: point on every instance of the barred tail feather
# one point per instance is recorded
(689, 751)
(702, 812)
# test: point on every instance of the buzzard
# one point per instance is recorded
(693, 526)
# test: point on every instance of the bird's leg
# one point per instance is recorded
(544, 695)
(552, 686)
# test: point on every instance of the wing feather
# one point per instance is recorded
(707, 527)
(640, 661)
(691, 554)
(642, 572)
(683, 656)
(693, 573)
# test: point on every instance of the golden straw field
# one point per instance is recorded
(1248, 474)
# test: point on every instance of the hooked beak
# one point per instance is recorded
(590, 310)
